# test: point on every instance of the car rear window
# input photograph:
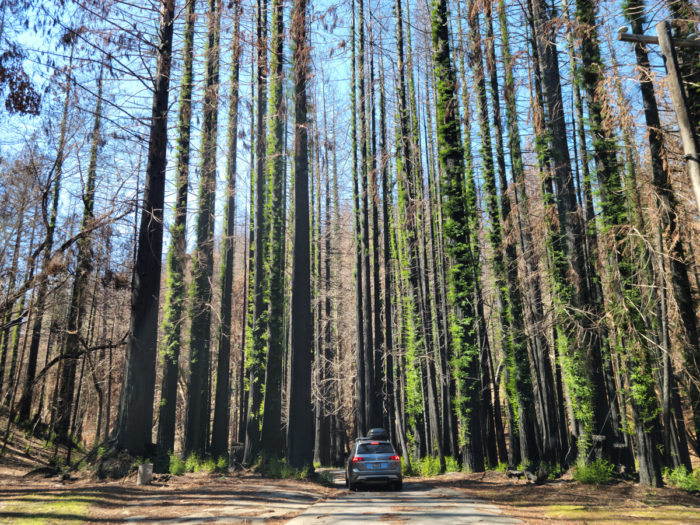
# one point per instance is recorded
(379, 448)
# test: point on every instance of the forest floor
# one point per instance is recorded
(27, 497)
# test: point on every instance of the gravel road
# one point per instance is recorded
(416, 503)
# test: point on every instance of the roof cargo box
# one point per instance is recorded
(379, 434)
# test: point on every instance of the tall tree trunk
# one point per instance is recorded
(365, 161)
(317, 378)
(592, 256)
(471, 196)
(246, 345)
(197, 406)
(321, 427)
(222, 410)
(361, 424)
(175, 295)
(337, 423)
(583, 360)
(76, 317)
(259, 320)
(14, 372)
(388, 335)
(12, 278)
(527, 386)
(441, 335)
(398, 392)
(242, 390)
(25, 404)
(687, 18)
(667, 206)
(417, 341)
(458, 221)
(135, 418)
(519, 377)
(420, 308)
(378, 417)
(272, 439)
(300, 423)
(535, 293)
(626, 292)
(327, 390)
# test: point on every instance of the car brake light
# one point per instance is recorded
(356, 459)
(374, 443)
(395, 458)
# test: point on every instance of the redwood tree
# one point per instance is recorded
(300, 432)
(134, 422)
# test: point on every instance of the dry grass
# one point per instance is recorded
(567, 501)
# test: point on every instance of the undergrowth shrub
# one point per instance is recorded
(207, 465)
(597, 472)
(679, 477)
(177, 466)
(326, 478)
(429, 466)
(451, 464)
(191, 463)
(409, 470)
(138, 460)
(304, 473)
(280, 469)
(501, 467)
(552, 470)
(194, 463)
(287, 471)
(271, 467)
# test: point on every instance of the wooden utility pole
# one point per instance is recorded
(678, 96)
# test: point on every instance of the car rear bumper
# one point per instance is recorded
(375, 477)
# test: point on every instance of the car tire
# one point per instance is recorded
(352, 486)
(398, 485)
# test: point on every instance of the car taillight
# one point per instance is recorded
(395, 458)
(356, 459)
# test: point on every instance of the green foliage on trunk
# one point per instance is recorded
(175, 280)
(198, 394)
(459, 217)
(272, 408)
(626, 298)
(257, 342)
(220, 427)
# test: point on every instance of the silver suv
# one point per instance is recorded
(373, 461)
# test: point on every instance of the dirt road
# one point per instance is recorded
(416, 503)
(247, 497)
(244, 498)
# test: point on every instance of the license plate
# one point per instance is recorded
(378, 465)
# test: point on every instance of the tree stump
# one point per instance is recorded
(145, 474)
